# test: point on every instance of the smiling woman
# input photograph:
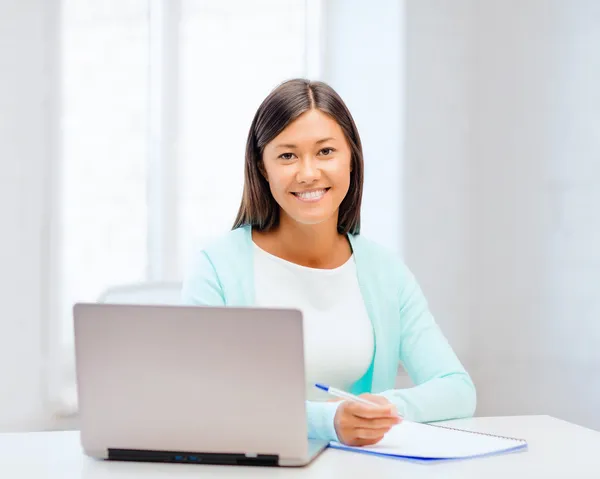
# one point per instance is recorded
(296, 243)
(301, 140)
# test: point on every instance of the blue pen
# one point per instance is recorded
(344, 395)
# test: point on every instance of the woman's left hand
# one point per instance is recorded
(357, 424)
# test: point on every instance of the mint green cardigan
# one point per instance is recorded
(403, 327)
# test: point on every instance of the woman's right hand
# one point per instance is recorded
(358, 424)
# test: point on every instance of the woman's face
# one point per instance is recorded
(308, 168)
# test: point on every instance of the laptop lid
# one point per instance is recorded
(170, 383)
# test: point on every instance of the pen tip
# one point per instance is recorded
(322, 386)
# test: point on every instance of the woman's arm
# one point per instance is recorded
(443, 388)
(320, 419)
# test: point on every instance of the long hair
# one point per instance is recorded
(281, 107)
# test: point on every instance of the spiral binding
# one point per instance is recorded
(479, 433)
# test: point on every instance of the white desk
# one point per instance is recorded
(557, 449)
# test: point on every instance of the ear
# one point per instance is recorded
(261, 168)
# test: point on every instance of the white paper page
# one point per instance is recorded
(421, 440)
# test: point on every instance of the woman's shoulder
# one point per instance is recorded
(213, 276)
(221, 253)
(374, 251)
(380, 263)
(233, 242)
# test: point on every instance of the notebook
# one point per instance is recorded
(430, 442)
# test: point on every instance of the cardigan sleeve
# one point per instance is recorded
(201, 285)
(443, 389)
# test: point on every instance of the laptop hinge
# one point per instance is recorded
(193, 457)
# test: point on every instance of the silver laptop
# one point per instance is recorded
(192, 384)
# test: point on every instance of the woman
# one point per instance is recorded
(296, 243)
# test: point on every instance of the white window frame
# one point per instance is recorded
(162, 188)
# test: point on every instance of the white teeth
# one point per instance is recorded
(311, 195)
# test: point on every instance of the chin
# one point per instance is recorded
(310, 215)
(311, 220)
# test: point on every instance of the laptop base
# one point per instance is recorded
(192, 457)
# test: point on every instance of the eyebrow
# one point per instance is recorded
(289, 145)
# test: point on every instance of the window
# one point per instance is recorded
(157, 99)
(104, 172)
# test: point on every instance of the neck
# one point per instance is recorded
(317, 246)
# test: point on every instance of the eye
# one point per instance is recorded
(326, 151)
(286, 156)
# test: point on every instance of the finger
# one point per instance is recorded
(371, 412)
(376, 399)
(381, 401)
(365, 433)
(378, 423)
(366, 442)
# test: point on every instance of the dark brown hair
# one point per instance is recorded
(283, 105)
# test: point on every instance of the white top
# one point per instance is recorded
(338, 335)
(557, 449)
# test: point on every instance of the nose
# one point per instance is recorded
(308, 170)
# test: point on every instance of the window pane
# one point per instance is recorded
(233, 52)
(104, 144)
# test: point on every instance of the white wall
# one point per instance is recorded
(503, 189)
(437, 180)
(536, 221)
(26, 145)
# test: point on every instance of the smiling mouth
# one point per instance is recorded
(312, 195)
